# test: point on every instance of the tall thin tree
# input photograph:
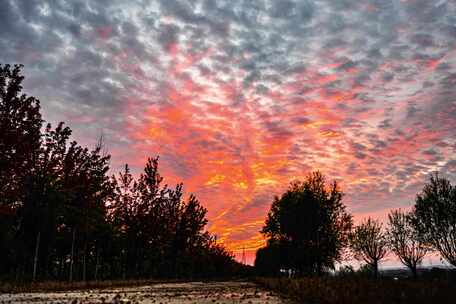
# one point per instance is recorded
(369, 243)
(404, 240)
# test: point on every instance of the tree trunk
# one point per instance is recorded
(24, 268)
(137, 263)
(84, 262)
(414, 272)
(62, 268)
(375, 266)
(35, 260)
(123, 263)
(72, 255)
(18, 270)
(96, 265)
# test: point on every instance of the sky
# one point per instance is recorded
(240, 97)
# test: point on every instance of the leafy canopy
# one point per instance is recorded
(435, 216)
(310, 224)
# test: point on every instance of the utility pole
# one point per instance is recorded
(243, 260)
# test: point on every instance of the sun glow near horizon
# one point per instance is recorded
(239, 98)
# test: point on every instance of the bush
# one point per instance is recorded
(345, 290)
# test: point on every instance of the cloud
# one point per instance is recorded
(241, 97)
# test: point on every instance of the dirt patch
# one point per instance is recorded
(192, 292)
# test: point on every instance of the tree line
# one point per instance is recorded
(62, 216)
(308, 230)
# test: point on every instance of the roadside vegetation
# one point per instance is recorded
(360, 290)
(308, 232)
(63, 217)
(67, 223)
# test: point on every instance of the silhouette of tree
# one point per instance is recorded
(63, 217)
(43, 201)
(20, 125)
(269, 259)
(124, 217)
(188, 231)
(369, 243)
(403, 240)
(310, 223)
(435, 216)
(158, 231)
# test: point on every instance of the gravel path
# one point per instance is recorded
(194, 292)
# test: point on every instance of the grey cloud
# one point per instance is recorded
(266, 46)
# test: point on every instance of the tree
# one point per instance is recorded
(40, 203)
(369, 243)
(188, 233)
(310, 223)
(20, 139)
(20, 129)
(88, 188)
(404, 241)
(63, 201)
(63, 217)
(269, 258)
(435, 216)
(159, 232)
(124, 216)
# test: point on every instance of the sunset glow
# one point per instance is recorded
(238, 98)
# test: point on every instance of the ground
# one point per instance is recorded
(193, 292)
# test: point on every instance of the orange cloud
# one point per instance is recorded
(236, 148)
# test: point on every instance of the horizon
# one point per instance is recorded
(239, 98)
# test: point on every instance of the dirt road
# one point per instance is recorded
(194, 292)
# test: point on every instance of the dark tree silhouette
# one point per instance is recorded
(20, 139)
(404, 241)
(270, 259)
(20, 127)
(435, 216)
(124, 218)
(309, 223)
(62, 217)
(369, 243)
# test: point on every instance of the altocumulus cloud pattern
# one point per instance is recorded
(241, 97)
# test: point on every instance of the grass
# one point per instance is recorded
(343, 290)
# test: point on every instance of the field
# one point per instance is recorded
(193, 292)
(346, 290)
